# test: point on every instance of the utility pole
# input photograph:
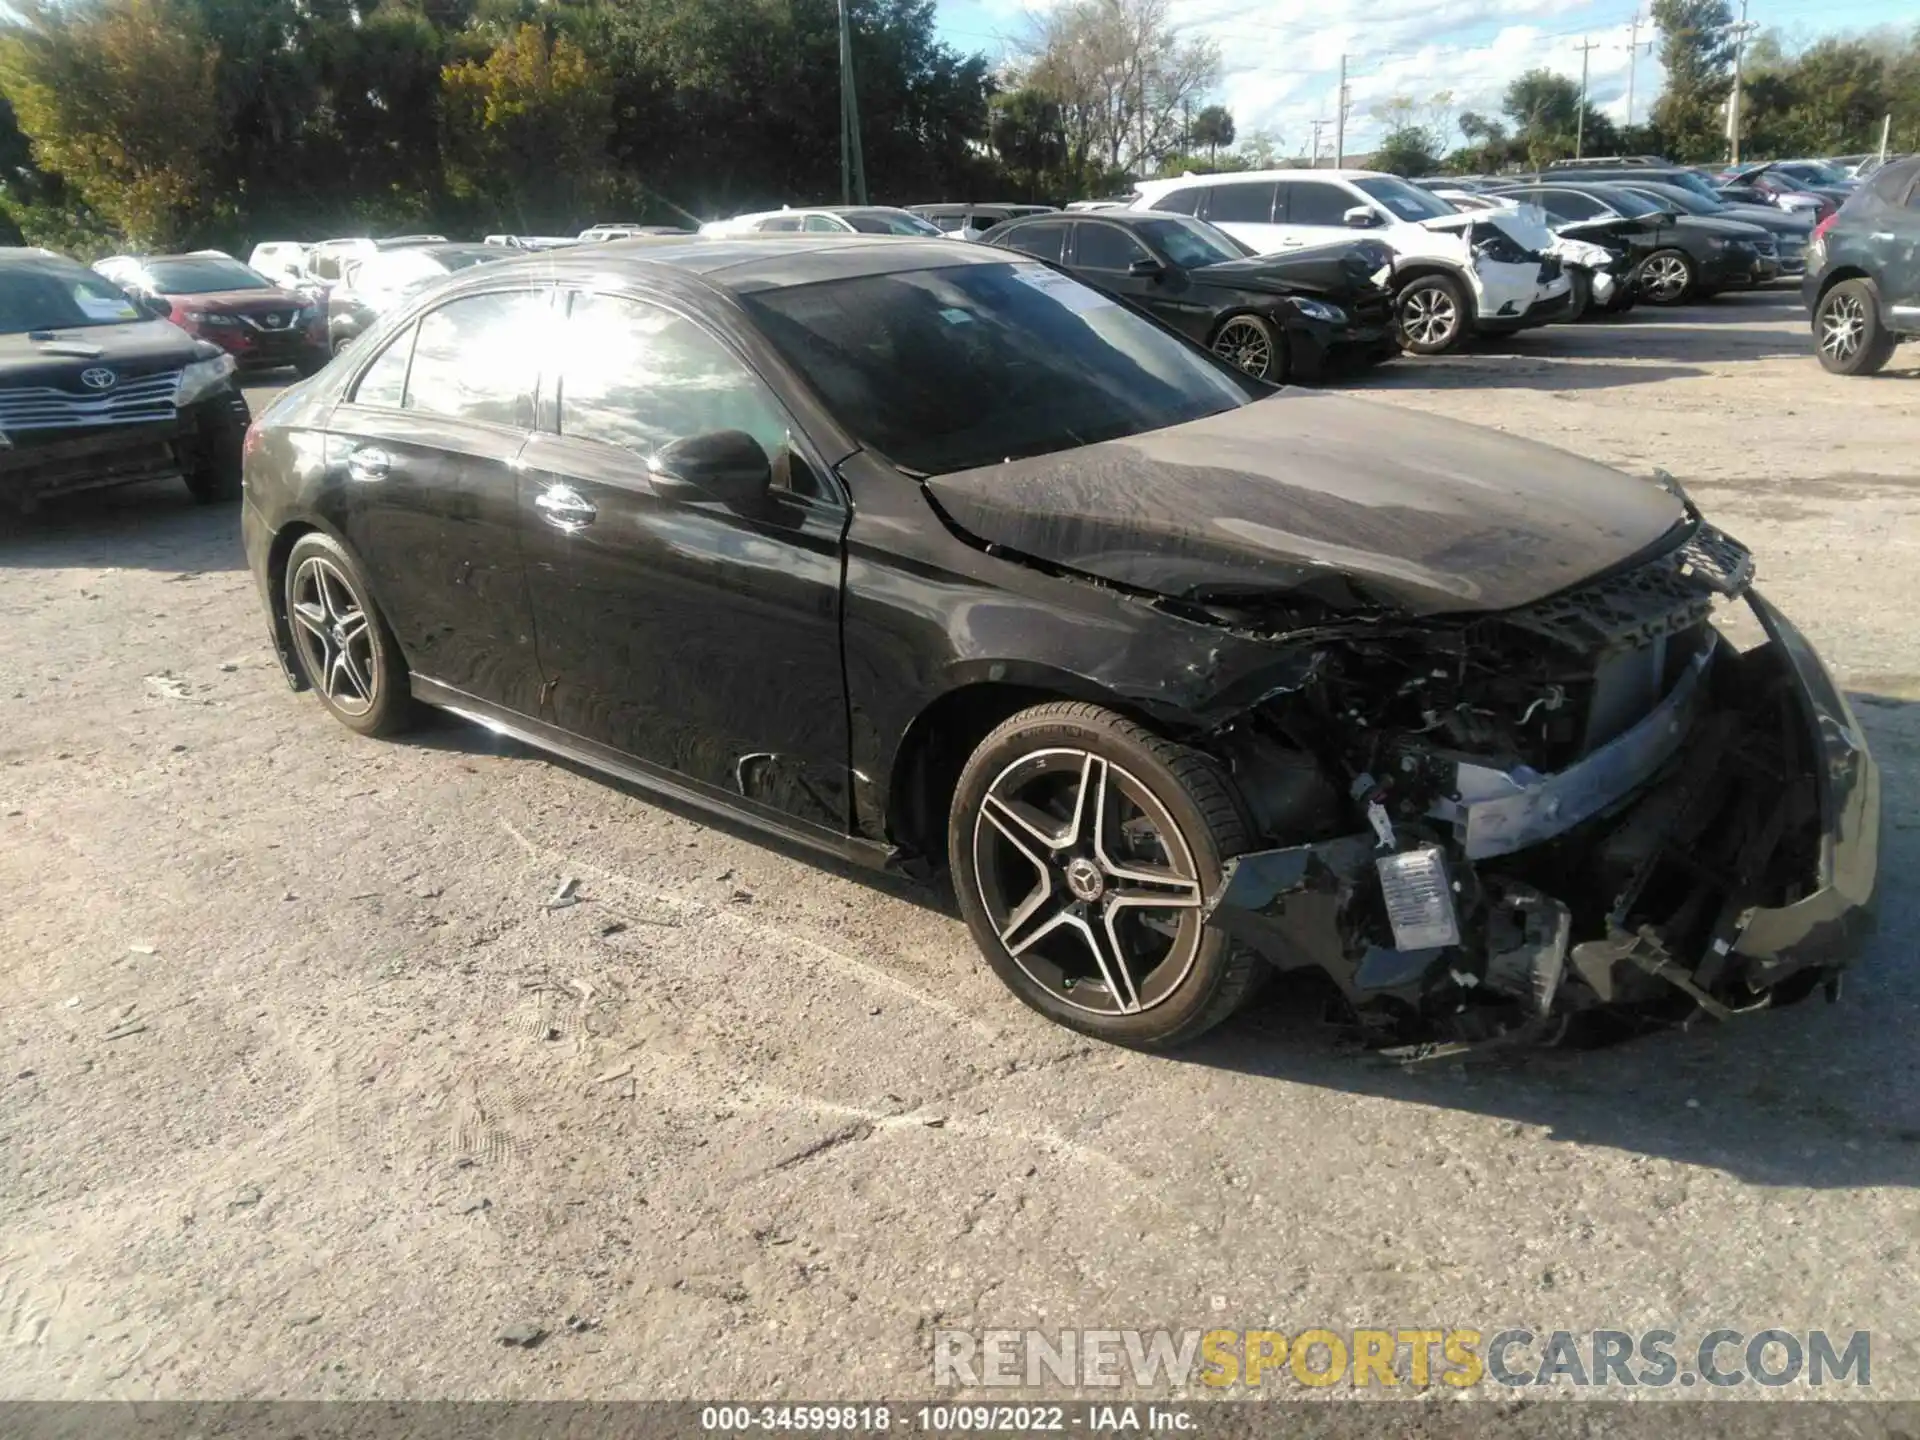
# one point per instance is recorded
(853, 168)
(1633, 64)
(1318, 125)
(1339, 124)
(1580, 119)
(1740, 33)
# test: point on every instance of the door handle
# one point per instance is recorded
(369, 463)
(564, 506)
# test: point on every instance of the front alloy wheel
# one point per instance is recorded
(1432, 314)
(1250, 343)
(1667, 277)
(1083, 849)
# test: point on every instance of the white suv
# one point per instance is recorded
(1454, 274)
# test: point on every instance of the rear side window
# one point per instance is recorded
(1571, 205)
(1105, 247)
(1185, 201)
(1042, 241)
(1314, 202)
(1246, 202)
(384, 382)
(477, 358)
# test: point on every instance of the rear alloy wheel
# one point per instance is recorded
(1432, 313)
(1667, 277)
(346, 651)
(1255, 346)
(1083, 850)
(1848, 332)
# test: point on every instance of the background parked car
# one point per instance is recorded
(1278, 317)
(327, 261)
(598, 234)
(262, 325)
(96, 389)
(1687, 257)
(824, 220)
(374, 285)
(532, 242)
(1764, 187)
(1790, 232)
(1456, 274)
(282, 261)
(1863, 273)
(968, 221)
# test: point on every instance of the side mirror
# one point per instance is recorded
(156, 307)
(1360, 217)
(1146, 268)
(724, 465)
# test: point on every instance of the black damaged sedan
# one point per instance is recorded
(1299, 315)
(935, 558)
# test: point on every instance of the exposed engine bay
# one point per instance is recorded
(1490, 824)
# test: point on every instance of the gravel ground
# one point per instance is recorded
(304, 1092)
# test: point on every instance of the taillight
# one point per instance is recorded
(1820, 230)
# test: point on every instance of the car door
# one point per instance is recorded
(1316, 210)
(701, 640)
(423, 489)
(1044, 240)
(1895, 238)
(1104, 254)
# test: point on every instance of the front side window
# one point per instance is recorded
(638, 376)
(1245, 202)
(1044, 242)
(970, 365)
(477, 358)
(1105, 247)
(384, 382)
(1193, 243)
(1314, 202)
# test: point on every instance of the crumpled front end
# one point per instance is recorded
(1592, 802)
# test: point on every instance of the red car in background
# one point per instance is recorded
(216, 298)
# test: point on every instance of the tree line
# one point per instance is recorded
(159, 123)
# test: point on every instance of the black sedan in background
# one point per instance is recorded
(1278, 317)
(99, 389)
(932, 556)
(1790, 232)
(1688, 257)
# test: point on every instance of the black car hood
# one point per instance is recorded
(1345, 267)
(1355, 505)
(136, 348)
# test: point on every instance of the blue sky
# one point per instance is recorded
(1281, 57)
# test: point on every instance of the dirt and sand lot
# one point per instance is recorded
(305, 1092)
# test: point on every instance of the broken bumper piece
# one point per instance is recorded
(1719, 855)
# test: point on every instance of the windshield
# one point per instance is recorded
(881, 222)
(1694, 184)
(972, 365)
(1409, 202)
(202, 277)
(1672, 197)
(1193, 243)
(36, 299)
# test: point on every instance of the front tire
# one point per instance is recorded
(1432, 314)
(1582, 295)
(1253, 344)
(1668, 277)
(345, 648)
(1847, 333)
(1083, 847)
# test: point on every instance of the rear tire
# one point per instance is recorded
(1083, 847)
(1847, 333)
(1433, 315)
(341, 642)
